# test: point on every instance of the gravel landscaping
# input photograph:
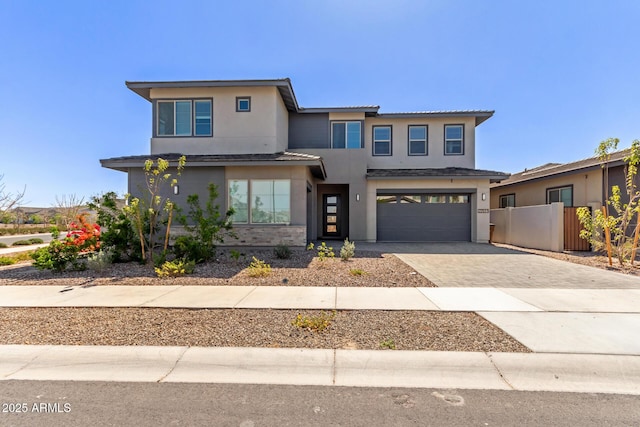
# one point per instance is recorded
(302, 269)
(358, 329)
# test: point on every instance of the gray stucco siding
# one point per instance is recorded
(308, 130)
(193, 180)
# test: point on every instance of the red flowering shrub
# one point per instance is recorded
(84, 235)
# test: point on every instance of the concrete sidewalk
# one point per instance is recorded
(360, 368)
(571, 321)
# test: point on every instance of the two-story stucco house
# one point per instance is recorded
(297, 174)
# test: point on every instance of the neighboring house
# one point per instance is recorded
(580, 183)
(575, 184)
(297, 174)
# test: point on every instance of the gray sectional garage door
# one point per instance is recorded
(410, 217)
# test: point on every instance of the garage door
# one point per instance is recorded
(423, 217)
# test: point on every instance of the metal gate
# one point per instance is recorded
(572, 227)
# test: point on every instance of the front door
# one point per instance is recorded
(331, 215)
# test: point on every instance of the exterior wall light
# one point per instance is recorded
(176, 190)
(484, 196)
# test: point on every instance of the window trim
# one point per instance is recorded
(461, 140)
(559, 188)
(249, 220)
(192, 101)
(243, 98)
(426, 140)
(346, 145)
(500, 204)
(373, 140)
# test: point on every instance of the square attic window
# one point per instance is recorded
(243, 104)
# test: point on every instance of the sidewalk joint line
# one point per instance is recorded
(245, 297)
(174, 365)
(160, 296)
(499, 372)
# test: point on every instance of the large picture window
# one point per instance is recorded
(346, 135)
(269, 201)
(184, 118)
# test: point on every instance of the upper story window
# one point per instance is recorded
(243, 104)
(453, 139)
(382, 140)
(418, 140)
(346, 135)
(508, 201)
(561, 194)
(184, 118)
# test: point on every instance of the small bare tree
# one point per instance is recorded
(8, 200)
(69, 207)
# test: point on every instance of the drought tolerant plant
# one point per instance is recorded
(325, 252)
(100, 261)
(314, 323)
(235, 254)
(206, 228)
(82, 238)
(36, 241)
(610, 231)
(175, 268)
(149, 212)
(357, 272)
(389, 344)
(6, 260)
(21, 243)
(3, 245)
(117, 230)
(282, 251)
(348, 250)
(258, 268)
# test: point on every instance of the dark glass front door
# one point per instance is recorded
(331, 215)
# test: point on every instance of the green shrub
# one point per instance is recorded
(357, 272)
(100, 260)
(192, 248)
(175, 268)
(310, 246)
(389, 344)
(3, 245)
(6, 261)
(21, 243)
(58, 256)
(235, 254)
(36, 241)
(325, 252)
(314, 323)
(206, 228)
(348, 250)
(258, 268)
(282, 251)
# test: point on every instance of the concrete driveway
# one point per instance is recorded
(581, 309)
(483, 265)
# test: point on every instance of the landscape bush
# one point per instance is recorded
(282, 251)
(100, 261)
(348, 250)
(3, 245)
(36, 241)
(175, 268)
(6, 261)
(21, 243)
(258, 268)
(325, 252)
(314, 323)
(206, 227)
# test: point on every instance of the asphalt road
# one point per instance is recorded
(150, 404)
(10, 239)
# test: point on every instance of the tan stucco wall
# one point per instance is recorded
(262, 130)
(587, 188)
(346, 116)
(536, 227)
(479, 208)
(400, 144)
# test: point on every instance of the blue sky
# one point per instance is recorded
(561, 75)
